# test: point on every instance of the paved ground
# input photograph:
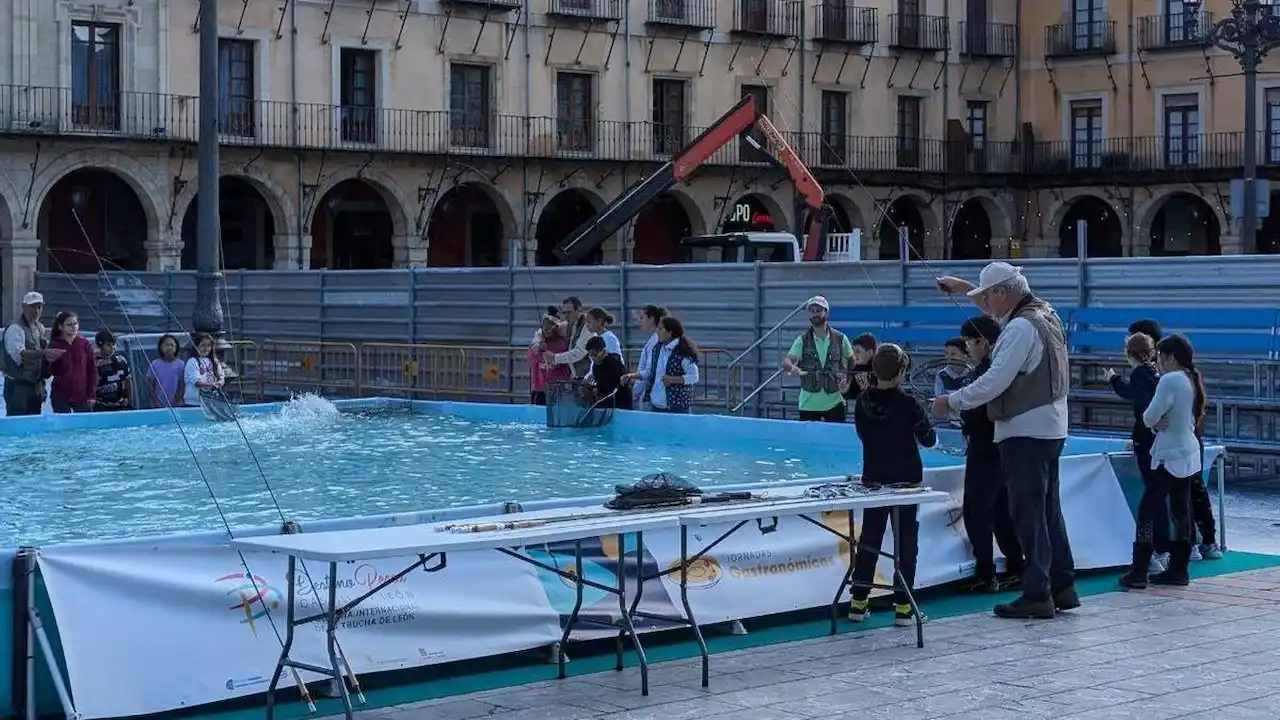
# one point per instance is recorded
(1211, 651)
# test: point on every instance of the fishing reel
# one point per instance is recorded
(920, 380)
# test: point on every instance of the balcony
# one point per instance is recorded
(487, 4)
(988, 39)
(839, 21)
(586, 9)
(767, 18)
(1174, 31)
(927, 33)
(1080, 39)
(691, 14)
(1222, 152)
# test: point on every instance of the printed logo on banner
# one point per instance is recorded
(703, 572)
(391, 605)
(250, 591)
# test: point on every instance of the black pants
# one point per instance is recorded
(1174, 492)
(63, 408)
(1158, 514)
(538, 397)
(986, 514)
(1202, 507)
(870, 541)
(1031, 473)
(837, 414)
(22, 398)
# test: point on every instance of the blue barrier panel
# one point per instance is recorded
(1105, 328)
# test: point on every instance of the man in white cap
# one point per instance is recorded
(820, 357)
(26, 349)
(1025, 392)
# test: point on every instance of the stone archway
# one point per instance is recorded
(469, 227)
(1104, 232)
(1185, 224)
(1268, 235)
(660, 227)
(843, 215)
(353, 228)
(971, 231)
(906, 213)
(248, 223)
(566, 212)
(93, 219)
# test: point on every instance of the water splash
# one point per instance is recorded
(309, 409)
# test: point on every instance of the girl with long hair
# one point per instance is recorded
(75, 374)
(676, 369)
(201, 373)
(1176, 414)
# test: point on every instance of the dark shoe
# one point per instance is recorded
(1025, 609)
(1171, 577)
(1134, 580)
(1066, 599)
(980, 586)
(903, 615)
(1011, 581)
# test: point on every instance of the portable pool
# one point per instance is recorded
(377, 458)
(94, 492)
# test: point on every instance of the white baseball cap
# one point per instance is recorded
(994, 274)
(33, 298)
(819, 301)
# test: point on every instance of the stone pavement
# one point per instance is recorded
(1211, 651)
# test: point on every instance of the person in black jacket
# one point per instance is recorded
(608, 371)
(1153, 537)
(892, 426)
(986, 497)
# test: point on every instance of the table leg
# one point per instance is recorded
(688, 610)
(331, 639)
(847, 581)
(577, 606)
(288, 638)
(901, 581)
(628, 625)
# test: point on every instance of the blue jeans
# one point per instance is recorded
(1031, 476)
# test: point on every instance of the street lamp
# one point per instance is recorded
(208, 309)
(1249, 34)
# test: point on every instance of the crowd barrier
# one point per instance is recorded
(173, 601)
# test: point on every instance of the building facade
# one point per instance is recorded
(360, 134)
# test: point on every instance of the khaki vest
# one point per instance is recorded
(35, 337)
(820, 376)
(1050, 379)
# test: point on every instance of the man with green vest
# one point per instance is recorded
(820, 358)
(26, 350)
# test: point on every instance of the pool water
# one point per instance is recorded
(323, 464)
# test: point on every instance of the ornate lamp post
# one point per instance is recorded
(208, 309)
(1249, 34)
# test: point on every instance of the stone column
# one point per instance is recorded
(1231, 244)
(292, 252)
(410, 251)
(19, 256)
(164, 251)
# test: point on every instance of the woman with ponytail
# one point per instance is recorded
(1176, 414)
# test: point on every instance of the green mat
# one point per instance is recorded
(481, 675)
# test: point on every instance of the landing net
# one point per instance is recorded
(575, 404)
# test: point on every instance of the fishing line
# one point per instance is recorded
(208, 485)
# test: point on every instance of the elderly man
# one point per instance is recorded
(820, 357)
(1025, 391)
(26, 350)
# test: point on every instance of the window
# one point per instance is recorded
(1086, 133)
(1089, 25)
(755, 15)
(668, 116)
(235, 80)
(1182, 130)
(1272, 104)
(670, 10)
(575, 111)
(95, 75)
(469, 89)
(1182, 22)
(977, 31)
(975, 122)
(908, 131)
(747, 151)
(359, 95)
(835, 126)
(909, 23)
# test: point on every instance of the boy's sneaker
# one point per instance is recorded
(1210, 551)
(980, 586)
(903, 615)
(859, 610)
(1195, 554)
(1159, 563)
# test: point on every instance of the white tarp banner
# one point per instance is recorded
(151, 628)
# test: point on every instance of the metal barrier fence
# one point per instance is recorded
(279, 368)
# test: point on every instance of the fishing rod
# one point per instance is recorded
(258, 592)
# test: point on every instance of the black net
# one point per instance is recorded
(574, 404)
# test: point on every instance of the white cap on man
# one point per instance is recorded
(820, 302)
(994, 274)
(33, 298)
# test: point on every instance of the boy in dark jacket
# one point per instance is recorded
(608, 370)
(892, 426)
(986, 498)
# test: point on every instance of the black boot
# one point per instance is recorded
(1179, 572)
(1136, 578)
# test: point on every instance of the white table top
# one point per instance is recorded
(710, 515)
(409, 540)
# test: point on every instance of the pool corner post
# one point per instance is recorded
(24, 656)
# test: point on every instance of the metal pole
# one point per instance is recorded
(1249, 225)
(208, 309)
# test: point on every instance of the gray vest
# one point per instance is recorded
(34, 338)
(583, 366)
(822, 376)
(1050, 379)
